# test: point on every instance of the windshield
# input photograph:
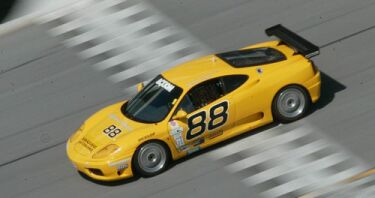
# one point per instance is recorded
(153, 103)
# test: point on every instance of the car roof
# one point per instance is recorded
(196, 71)
(193, 72)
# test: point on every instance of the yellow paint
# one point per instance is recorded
(249, 108)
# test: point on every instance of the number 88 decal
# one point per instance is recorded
(221, 117)
(112, 131)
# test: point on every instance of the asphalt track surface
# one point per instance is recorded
(46, 91)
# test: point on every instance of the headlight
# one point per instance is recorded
(106, 151)
(76, 134)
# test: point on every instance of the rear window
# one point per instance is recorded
(252, 57)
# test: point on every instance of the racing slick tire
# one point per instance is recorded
(151, 159)
(290, 104)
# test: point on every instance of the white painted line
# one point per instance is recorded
(337, 188)
(285, 188)
(131, 10)
(154, 54)
(17, 24)
(242, 145)
(149, 74)
(289, 162)
(63, 11)
(267, 143)
(96, 32)
(156, 61)
(81, 20)
(341, 176)
(87, 36)
(254, 160)
(101, 48)
(104, 4)
(70, 25)
(138, 25)
(290, 155)
(161, 69)
(147, 40)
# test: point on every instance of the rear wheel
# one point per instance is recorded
(290, 104)
(151, 159)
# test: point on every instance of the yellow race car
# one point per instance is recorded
(198, 104)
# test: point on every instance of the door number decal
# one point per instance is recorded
(217, 119)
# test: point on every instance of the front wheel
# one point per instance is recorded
(151, 159)
(290, 104)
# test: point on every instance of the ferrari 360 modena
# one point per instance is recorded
(198, 104)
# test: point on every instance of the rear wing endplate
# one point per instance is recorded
(293, 40)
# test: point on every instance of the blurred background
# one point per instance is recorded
(6, 7)
(12, 9)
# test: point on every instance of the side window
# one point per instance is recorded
(187, 105)
(202, 95)
(233, 82)
(206, 92)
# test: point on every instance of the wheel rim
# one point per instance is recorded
(291, 103)
(152, 158)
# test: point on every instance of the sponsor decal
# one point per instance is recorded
(146, 137)
(183, 148)
(165, 84)
(176, 132)
(198, 142)
(87, 144)
(193, 150)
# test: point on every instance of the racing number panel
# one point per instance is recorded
(213, 116)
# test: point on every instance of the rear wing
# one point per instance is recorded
(293, 40)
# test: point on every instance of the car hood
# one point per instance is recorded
(105, 127)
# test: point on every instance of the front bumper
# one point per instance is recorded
(104, 170)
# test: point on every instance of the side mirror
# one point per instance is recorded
(181, 114)
(140, 86)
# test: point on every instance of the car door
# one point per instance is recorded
(248, 97)
(208, 113)
(245, 97)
